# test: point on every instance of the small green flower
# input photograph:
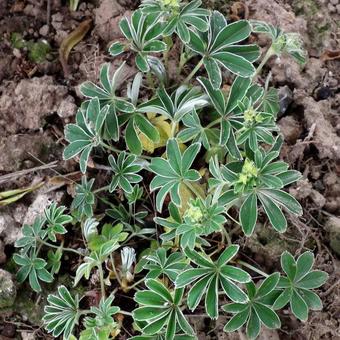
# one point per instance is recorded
(194, 212)
(248, 175)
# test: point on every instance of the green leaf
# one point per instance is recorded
(248, 214)
(116, 49)
(211, 299)
(228, 254)
(253, 325)
(313, 279)
(62, 313)
(283, 299)
(274, 213)
(288, 264)
(299, 306)
(235, 64)
(286, 200)
(231, 34)
(312, 299)
(237, 321)
(268, 317)
(268, 285)
(304, 264)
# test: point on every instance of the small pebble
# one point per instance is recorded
(338, 8)
(43, 31)
(334, 2)
(331, 8)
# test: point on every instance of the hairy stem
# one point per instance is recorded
(270, 52)
(101, 278)
(194, 71)
(193, 189)
(213, 123)
(115, 270)
(113, 149)
(58, 247)
(245, 264)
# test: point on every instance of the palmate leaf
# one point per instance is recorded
(95, 259)
(33, 268)
(158, 263)
(260, 181)
(31, 234)
(220, 47)
(209, 276)
(201, 218)
(136, 122)
(106, 94)
(256, 311)
(196, 133)
(85, 134)
(55, 221)
(125, 170)
(179, 16)
(143, 33)
(231, 117)
(173, 172)
(258, 123)
(84, 198)
(299, 283)
(62, 313)
(287, 43)
(160, 309)
(188, 15)
(102, 323)
(178, 104)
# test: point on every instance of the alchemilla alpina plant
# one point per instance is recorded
(192, 165)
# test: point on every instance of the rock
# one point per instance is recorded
(285, 98)
(10, 231)
(44, 30)
(27, 335)
(8, 290)
(15, 149)
(290, 128)
(107, 19)
(318, 198)
(333, 227)
(318, 116)
(67, 108)
(26, 104)
(41, 201)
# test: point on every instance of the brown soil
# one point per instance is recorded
(37, 100)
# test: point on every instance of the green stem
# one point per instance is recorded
(173, 128)
(169, 43)
(125, 313)
(115, 270)
(101, 278)
(198, 66)
(136, 284)
(215, 122)
(101, 189)
(245, 264)
(270, 52)
(193, 190)
(225, 235)
(113, 149)
(58, 247)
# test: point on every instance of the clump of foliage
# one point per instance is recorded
(37, 50)
(187, 163)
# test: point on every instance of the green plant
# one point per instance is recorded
(161, 309)
(188, 168)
